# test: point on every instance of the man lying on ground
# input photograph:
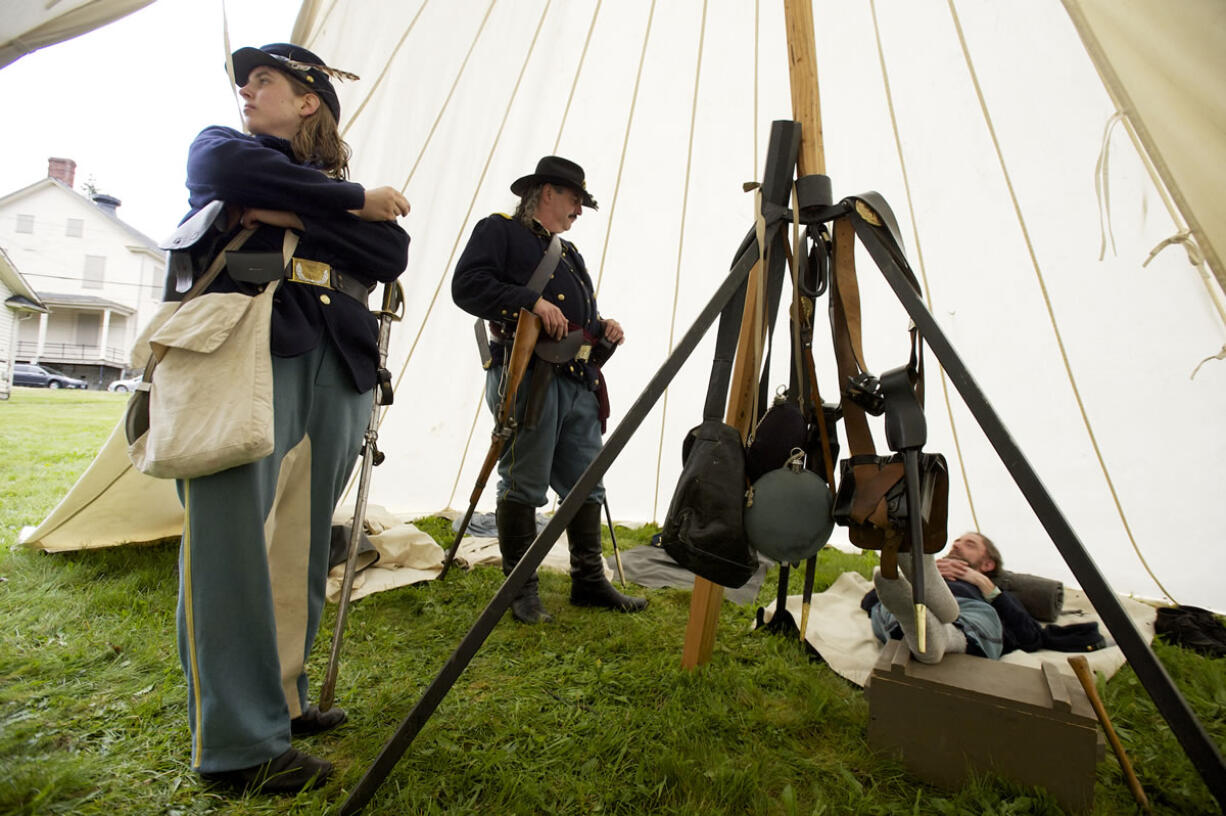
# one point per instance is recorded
(966, 611)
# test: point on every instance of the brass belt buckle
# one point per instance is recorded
(316, 273)
(584, 352)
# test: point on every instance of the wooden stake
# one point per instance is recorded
(707, 597)
(1081, 667)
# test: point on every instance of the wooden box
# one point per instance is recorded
(964, 714)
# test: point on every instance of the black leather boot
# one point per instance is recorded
(588, 586)
(516, 532)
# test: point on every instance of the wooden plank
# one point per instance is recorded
(945, 731)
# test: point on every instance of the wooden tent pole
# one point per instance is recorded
(806, 108)
(802, 71)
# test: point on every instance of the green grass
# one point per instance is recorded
(590, 715)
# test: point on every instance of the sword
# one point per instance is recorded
(391, 311)
(617, 555)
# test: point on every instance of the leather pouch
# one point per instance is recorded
(871, 501)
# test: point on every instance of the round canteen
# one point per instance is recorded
(789, 516)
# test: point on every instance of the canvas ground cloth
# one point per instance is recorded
(841, 633)
(408, 556)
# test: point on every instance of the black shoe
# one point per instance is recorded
(588, 585)
(516, 532)
(313, 721)
(602, 593)
(527, 608)
(291, 772)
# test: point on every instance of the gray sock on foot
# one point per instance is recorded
(896, 595)
(955, 639)
(937, 596)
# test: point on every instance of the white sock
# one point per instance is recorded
(937, 597)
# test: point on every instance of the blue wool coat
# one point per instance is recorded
(260, 171)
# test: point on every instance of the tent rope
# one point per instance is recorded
(1196, 258)
(476, 191)
(480, 402)
(472, 430)
(1102, 188)
(447, 101)
(621, 161)
(685, 202)
(353, 117)
(919, 255)
(587, 41)
(1051, 315)
(506, 114)
(317, 29)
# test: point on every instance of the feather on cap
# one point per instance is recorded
(299, 63)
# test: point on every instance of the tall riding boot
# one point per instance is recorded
(588, 586)
(516, 532)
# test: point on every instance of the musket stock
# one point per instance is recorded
(527, 331)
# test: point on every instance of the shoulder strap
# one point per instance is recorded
(536, 283)
(549, 262)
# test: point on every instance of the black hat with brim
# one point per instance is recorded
(294, 60)
(559, 171)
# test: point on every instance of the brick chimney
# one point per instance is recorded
(64, 170)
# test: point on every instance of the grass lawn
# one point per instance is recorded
(592, 714)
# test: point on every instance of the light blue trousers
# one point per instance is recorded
(243, 635)
(556, 452)
(977, 620)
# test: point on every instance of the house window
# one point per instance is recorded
(76, 227)
(25, 223)
(89, 328)
(95, 270)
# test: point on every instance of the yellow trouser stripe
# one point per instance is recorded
(189, 621)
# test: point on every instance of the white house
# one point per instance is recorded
(20, 303)
(99, 278)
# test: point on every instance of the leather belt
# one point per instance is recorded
(318, 273)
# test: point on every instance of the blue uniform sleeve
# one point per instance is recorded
(1018, 622)
(233, 167)
(480, 285)
(377, 250)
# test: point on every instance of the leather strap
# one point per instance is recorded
(845, 315)
(540, 275)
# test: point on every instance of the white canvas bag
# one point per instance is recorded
(206, 401)
(210, 400)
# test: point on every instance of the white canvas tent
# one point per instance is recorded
(981, 124)
(28, 26)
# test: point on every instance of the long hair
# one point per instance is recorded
(318, 141)
(994, 553)
(525, 211)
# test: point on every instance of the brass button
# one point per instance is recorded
(561, 296)
(325, 300)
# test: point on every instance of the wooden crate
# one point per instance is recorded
(964, 714)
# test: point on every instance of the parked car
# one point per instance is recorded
(125, 385)
(40, 376)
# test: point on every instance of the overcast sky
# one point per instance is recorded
(125, 100)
